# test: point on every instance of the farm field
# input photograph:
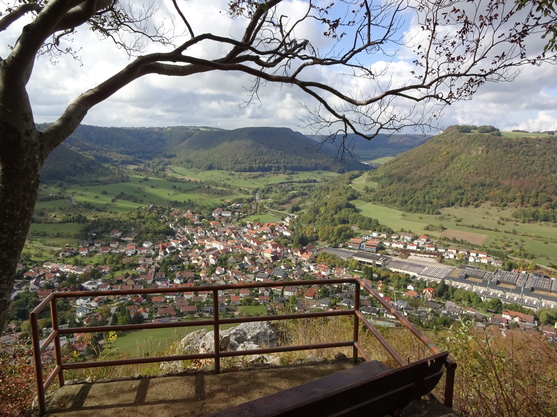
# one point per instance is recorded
(486, 216)
(247, 179)
(153, 191)
(475, 238)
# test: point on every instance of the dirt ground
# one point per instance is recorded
(198, 394)
(187, 395)
(475, 238)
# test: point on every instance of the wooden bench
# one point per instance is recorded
(370, 389)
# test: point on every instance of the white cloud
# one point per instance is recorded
(545, 120)
(214, 98)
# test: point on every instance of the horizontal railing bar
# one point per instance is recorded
(134, 361)
(288, 316)
(285, 349)
(74, 294)
(210, 355)
(381, 339)
(178, 324)
(126, 327)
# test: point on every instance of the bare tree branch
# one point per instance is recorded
(179, 11)
(15, 14)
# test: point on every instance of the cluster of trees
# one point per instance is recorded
(546, 213)
(480, 129)
(329, 214)
(144, 221)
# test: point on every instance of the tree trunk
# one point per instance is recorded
(22, 156)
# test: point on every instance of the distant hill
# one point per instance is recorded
(258, 149)
(378, 147)
(246, 149)
(65, 164)
(457, 168)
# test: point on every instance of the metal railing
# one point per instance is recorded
(216, 322)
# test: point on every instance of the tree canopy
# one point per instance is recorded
(454, 48)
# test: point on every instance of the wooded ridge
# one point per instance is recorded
(460, 169)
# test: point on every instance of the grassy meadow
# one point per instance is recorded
(247, 179)
(382, 160)
(525, 135)
(264, 218)
(153, 191)
(152, 342)
(456, 219)
(361, 182)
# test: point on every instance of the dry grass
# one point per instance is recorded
(504, 373)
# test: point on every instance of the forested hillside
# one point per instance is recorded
(460, 169)
(246, 149)
(64, 164)
(258, 149)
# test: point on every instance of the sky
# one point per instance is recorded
(216, 99)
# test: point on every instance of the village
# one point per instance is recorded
(224, 253)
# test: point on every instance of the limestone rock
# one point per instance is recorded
(246, 336)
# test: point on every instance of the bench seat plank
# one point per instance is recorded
(370, 389)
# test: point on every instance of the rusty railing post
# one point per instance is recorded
(356, 321)
(57, 349)
(449, 382)
(37, 362)
(216, 329)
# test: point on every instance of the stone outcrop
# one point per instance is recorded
(246, 336)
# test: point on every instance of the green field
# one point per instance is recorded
(527, 135)
(383, 160)
(263, 218)
(154, 191)
(361, 182)
(53, 204)
(489, 217)
(253, 310)
(150, 342)
(53, 228)
(59, 234)
(247, 179)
